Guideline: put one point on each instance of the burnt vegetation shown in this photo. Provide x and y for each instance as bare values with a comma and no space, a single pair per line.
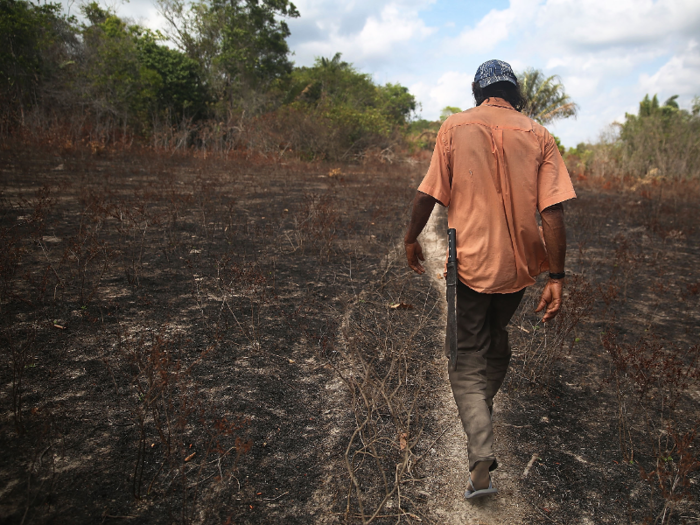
203,340
173,327
618,424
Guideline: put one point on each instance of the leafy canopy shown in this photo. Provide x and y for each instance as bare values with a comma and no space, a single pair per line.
334,89
36,43
126,70
447,111
238,43
231,62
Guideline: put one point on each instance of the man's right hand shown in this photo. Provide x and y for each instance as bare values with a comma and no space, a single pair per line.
423,205
414,254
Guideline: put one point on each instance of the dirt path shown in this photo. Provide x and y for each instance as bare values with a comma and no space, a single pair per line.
449,472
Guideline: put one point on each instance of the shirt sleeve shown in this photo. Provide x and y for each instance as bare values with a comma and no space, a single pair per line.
438,180
553,180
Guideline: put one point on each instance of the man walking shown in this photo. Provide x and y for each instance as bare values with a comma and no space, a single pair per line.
494,168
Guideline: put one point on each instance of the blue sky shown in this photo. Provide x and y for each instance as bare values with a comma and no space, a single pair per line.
608,53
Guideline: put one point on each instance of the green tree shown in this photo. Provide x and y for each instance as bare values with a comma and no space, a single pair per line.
37,43
332,82
113,83
126,75
396,102
181,90
238,43
546,99
447,111
650,107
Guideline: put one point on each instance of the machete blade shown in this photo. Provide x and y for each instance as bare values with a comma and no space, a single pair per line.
452,297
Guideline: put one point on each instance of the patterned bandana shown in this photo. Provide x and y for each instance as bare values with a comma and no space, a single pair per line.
494,71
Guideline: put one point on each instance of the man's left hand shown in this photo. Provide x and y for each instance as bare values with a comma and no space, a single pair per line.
552,298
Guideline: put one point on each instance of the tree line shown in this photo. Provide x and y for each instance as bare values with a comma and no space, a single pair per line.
227,83
220,79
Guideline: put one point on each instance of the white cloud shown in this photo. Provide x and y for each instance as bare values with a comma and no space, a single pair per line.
604,23
609,54
585,74
494,28
392,27
581,86
679,76
142,12
451,89
364,31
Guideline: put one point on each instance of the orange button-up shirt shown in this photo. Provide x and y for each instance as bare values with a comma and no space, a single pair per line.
494,168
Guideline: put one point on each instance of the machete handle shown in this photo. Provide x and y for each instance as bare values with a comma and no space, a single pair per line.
451,245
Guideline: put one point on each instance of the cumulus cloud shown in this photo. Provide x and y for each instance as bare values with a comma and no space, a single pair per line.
364,31
451,89
581,86
590,74
679,76
609,54
496,27
622,23
142,12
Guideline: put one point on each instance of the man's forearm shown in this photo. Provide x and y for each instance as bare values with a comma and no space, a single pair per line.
423,205
554,233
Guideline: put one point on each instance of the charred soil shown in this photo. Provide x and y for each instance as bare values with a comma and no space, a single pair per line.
235,341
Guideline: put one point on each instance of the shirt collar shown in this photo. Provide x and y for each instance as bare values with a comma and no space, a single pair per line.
497,102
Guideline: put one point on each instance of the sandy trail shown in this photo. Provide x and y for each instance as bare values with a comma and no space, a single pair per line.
448,472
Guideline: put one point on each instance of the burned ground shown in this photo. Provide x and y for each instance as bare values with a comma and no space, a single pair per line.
614,438
197,340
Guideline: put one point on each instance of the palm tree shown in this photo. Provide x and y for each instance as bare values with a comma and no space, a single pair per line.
332,64
545,97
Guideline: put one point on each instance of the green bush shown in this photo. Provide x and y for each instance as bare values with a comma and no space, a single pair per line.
365,113
661,140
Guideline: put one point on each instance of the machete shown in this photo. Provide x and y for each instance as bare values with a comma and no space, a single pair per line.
451,280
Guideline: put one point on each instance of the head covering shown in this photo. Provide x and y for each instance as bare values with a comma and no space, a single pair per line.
494,71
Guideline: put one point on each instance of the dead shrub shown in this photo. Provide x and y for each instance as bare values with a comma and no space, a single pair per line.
177,431
18,348
380,360
651,378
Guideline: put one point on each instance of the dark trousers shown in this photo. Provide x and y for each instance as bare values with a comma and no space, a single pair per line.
483,355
